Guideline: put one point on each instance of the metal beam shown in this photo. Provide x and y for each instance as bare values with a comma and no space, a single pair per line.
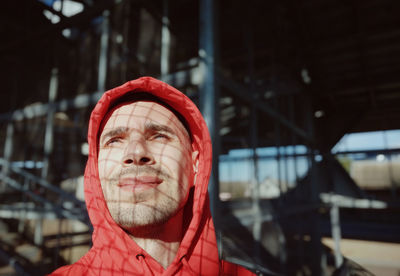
240,91
208,93
48,136
42,182
25,212
191,76
69,214
8,150
38,110
103,57
352,202
377,151
165,40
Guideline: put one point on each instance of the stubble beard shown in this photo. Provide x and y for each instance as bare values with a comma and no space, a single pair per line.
137,217
143,210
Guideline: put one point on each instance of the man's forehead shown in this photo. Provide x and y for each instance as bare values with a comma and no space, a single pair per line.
145,111
139,112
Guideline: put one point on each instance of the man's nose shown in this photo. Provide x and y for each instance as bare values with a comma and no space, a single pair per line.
137,153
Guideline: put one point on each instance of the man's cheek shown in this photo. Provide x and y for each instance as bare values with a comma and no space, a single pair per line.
102,167
107,166
171,156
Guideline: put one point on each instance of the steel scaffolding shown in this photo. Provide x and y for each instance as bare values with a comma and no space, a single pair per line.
284,189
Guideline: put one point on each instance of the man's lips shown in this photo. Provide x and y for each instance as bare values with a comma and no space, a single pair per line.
139,182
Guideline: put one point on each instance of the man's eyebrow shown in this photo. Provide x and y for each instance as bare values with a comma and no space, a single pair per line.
158,127
113,132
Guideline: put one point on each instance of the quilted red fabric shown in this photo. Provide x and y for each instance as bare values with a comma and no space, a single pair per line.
113,251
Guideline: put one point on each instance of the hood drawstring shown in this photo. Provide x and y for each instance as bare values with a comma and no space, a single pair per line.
183,261
142,259
138,257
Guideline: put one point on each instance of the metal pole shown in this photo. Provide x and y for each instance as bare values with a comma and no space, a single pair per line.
318,265
286,167
48,138
48,145
8,149
102,77
277,127
208,94
256,185
298,218
253,136
393,184
336,234
125,42
165,41
23,217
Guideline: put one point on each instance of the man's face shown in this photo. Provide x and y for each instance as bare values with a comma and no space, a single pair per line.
145,164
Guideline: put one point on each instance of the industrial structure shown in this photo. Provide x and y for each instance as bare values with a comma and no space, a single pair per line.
279,84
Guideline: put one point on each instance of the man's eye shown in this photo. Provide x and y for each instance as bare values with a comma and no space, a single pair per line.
160,136
113,140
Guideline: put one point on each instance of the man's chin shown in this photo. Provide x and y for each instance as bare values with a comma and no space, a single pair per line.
140,216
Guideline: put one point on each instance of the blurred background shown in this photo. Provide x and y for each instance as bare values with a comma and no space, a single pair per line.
302,99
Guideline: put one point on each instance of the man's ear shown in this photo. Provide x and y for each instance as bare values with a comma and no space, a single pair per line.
195,161
195,164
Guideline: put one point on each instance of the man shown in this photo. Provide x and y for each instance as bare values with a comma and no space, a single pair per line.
146,186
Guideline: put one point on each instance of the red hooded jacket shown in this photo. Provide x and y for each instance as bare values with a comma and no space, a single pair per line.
113,251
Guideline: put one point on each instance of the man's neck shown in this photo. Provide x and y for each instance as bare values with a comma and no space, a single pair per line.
161,241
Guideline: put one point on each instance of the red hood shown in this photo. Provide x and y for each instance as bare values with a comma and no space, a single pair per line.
199,240
113,251
112,248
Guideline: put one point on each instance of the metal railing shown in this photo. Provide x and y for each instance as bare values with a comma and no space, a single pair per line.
48,197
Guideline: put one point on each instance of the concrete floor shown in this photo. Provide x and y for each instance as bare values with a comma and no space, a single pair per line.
380,258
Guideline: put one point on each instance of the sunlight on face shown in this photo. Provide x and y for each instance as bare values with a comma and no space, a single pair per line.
145,164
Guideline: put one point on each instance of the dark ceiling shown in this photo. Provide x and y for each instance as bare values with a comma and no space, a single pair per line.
344,55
